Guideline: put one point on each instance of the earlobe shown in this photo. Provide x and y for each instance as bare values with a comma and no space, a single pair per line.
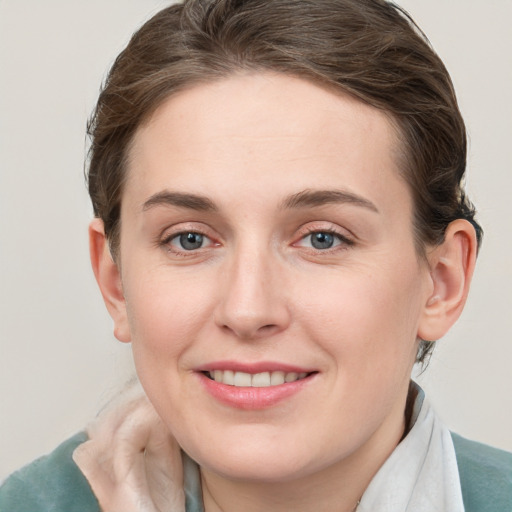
451,269
108,277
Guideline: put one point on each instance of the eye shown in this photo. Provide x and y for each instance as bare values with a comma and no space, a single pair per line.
323,240
189,241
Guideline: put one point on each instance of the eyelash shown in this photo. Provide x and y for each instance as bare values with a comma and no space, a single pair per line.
166,242
344,244
344,241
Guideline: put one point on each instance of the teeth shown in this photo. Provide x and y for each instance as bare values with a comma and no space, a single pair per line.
242,379
291,377
228,377
257,380
276,378
260,380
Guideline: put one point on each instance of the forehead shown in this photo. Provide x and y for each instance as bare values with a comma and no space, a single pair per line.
271,130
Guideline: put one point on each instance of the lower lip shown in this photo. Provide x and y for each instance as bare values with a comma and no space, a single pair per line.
249,398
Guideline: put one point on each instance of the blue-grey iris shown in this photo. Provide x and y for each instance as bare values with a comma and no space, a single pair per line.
191,241
322,240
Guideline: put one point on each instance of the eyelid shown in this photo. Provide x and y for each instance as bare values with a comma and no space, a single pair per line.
168,240
185,227
324,227
346,239
172,232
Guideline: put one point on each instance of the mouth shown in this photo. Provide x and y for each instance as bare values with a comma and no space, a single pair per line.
254,386
255,380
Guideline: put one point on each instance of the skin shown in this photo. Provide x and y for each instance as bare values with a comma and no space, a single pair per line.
257,290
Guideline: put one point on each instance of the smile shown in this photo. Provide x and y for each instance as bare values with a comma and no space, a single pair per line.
256,380
255,386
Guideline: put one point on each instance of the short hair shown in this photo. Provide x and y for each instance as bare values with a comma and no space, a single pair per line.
370,49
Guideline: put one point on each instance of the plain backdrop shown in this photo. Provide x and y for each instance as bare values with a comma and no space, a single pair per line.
59,361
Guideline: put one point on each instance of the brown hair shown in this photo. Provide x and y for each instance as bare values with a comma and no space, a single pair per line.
368,48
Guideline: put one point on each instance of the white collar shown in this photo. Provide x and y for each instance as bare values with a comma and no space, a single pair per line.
421,475
134,465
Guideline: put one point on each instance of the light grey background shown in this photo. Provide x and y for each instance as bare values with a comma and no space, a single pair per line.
59,361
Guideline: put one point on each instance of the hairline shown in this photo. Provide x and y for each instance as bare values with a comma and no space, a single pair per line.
400,150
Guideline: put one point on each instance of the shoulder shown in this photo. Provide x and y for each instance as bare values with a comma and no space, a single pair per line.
52,483
485,475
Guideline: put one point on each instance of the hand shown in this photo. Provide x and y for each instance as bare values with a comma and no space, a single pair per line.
131,461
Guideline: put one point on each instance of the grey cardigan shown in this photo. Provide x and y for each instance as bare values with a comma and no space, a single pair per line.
54,483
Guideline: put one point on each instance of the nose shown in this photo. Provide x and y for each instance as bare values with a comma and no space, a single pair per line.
253,301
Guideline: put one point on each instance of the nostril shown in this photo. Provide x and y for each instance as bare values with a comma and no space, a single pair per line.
266,330
248,332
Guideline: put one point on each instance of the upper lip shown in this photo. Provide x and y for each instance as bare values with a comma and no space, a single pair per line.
253,368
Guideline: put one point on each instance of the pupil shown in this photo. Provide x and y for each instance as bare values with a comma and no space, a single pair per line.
190,241
322,240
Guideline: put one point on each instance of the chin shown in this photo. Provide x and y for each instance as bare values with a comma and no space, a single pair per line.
261,469
258,458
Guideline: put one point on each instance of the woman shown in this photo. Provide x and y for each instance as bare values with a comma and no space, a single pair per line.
281,233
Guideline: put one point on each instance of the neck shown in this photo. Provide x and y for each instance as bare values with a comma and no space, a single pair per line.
304,495
338,487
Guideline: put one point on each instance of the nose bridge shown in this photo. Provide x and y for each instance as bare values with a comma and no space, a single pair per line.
252,303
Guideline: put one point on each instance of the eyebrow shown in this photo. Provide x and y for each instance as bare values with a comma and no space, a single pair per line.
181,200
309,198
305,198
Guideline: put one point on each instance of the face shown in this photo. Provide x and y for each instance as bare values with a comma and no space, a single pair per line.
272,290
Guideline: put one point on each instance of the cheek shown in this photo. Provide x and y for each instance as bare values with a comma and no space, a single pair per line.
166,312
368,317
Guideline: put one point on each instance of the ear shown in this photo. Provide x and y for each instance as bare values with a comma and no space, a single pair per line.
451,268
108,277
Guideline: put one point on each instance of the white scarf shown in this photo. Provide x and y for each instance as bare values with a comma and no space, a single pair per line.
134,465
421,475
